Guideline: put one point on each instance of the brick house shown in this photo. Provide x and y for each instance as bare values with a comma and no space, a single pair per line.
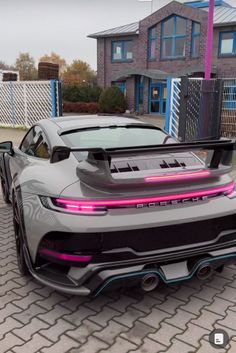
171,42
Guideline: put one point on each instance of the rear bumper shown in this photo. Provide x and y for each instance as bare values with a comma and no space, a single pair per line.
96,278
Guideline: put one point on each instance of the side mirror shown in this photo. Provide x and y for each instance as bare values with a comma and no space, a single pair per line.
6,147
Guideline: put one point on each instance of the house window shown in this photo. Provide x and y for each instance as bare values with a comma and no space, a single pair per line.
173,43
122,50
195,39
227,45
152,40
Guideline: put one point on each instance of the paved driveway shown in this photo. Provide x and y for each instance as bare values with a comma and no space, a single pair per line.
173,319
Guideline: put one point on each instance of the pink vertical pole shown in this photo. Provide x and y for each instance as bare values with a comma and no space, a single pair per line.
209,43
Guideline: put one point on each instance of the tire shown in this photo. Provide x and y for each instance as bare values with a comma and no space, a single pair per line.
5,194
18,230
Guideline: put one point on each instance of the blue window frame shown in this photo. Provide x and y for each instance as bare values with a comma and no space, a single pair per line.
122,50
173,38
152,41
195,48
227,45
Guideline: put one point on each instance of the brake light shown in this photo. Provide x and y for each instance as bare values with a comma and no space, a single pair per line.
65,257
178,176
95,206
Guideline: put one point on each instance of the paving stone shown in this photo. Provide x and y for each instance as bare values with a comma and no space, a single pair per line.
123,301
129,317
8,310
184,293
228,293
79,315
110,332
86,329
120,346
65,344
194,305
155,318
207,319
10,341
26,315
193,335
180,347
207,293
25,302
104,316
93,345
32,346
219,306
54,332
138,332
10,297
27,331
8,325
149,346
54,314
98,303
49,302
229,320
170,305
180,319
165,334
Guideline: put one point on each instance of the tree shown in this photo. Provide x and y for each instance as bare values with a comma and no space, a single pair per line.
112,101
79,72
55,58
4,66
26,66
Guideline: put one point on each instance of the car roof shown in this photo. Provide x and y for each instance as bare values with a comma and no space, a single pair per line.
70,122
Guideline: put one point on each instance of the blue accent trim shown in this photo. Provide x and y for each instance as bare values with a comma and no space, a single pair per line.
173,38
122,42
142,273
53,99
168,103
200,4
220,45
139,90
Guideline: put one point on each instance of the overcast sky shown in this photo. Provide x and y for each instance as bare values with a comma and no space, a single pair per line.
62,26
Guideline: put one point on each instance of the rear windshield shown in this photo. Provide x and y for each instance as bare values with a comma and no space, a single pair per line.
115,137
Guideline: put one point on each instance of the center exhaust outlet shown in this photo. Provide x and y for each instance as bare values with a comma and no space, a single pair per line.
149,282
204,272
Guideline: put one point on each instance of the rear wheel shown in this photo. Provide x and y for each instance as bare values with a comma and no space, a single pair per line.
5,194
19,239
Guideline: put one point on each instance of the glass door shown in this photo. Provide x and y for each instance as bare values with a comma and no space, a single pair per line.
157,98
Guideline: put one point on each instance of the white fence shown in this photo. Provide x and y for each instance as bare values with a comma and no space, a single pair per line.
174,106
25,103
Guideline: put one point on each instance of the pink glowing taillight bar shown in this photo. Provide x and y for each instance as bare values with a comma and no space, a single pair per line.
179,176
79,204
66,257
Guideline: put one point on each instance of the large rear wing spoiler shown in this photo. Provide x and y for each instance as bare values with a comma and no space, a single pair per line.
222,151
96,167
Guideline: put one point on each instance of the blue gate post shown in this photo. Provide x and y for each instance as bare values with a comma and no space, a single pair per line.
59,98
53,98
168,105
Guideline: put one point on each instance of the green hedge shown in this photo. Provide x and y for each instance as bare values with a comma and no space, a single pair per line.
81,93
112,101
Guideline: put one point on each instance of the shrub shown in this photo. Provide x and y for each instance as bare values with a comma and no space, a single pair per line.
86,108
112,101
81,93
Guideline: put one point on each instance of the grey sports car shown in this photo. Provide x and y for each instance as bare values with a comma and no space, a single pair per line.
101,202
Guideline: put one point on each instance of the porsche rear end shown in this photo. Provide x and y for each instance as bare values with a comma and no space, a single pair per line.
148,214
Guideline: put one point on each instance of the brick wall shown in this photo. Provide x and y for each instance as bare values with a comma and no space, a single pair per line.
109,71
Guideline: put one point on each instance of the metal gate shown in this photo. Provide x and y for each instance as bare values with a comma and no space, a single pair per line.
25,103
228,115
194,109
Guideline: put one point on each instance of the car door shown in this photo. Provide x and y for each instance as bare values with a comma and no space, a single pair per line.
33,149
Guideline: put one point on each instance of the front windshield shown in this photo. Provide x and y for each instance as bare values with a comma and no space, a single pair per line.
114,137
